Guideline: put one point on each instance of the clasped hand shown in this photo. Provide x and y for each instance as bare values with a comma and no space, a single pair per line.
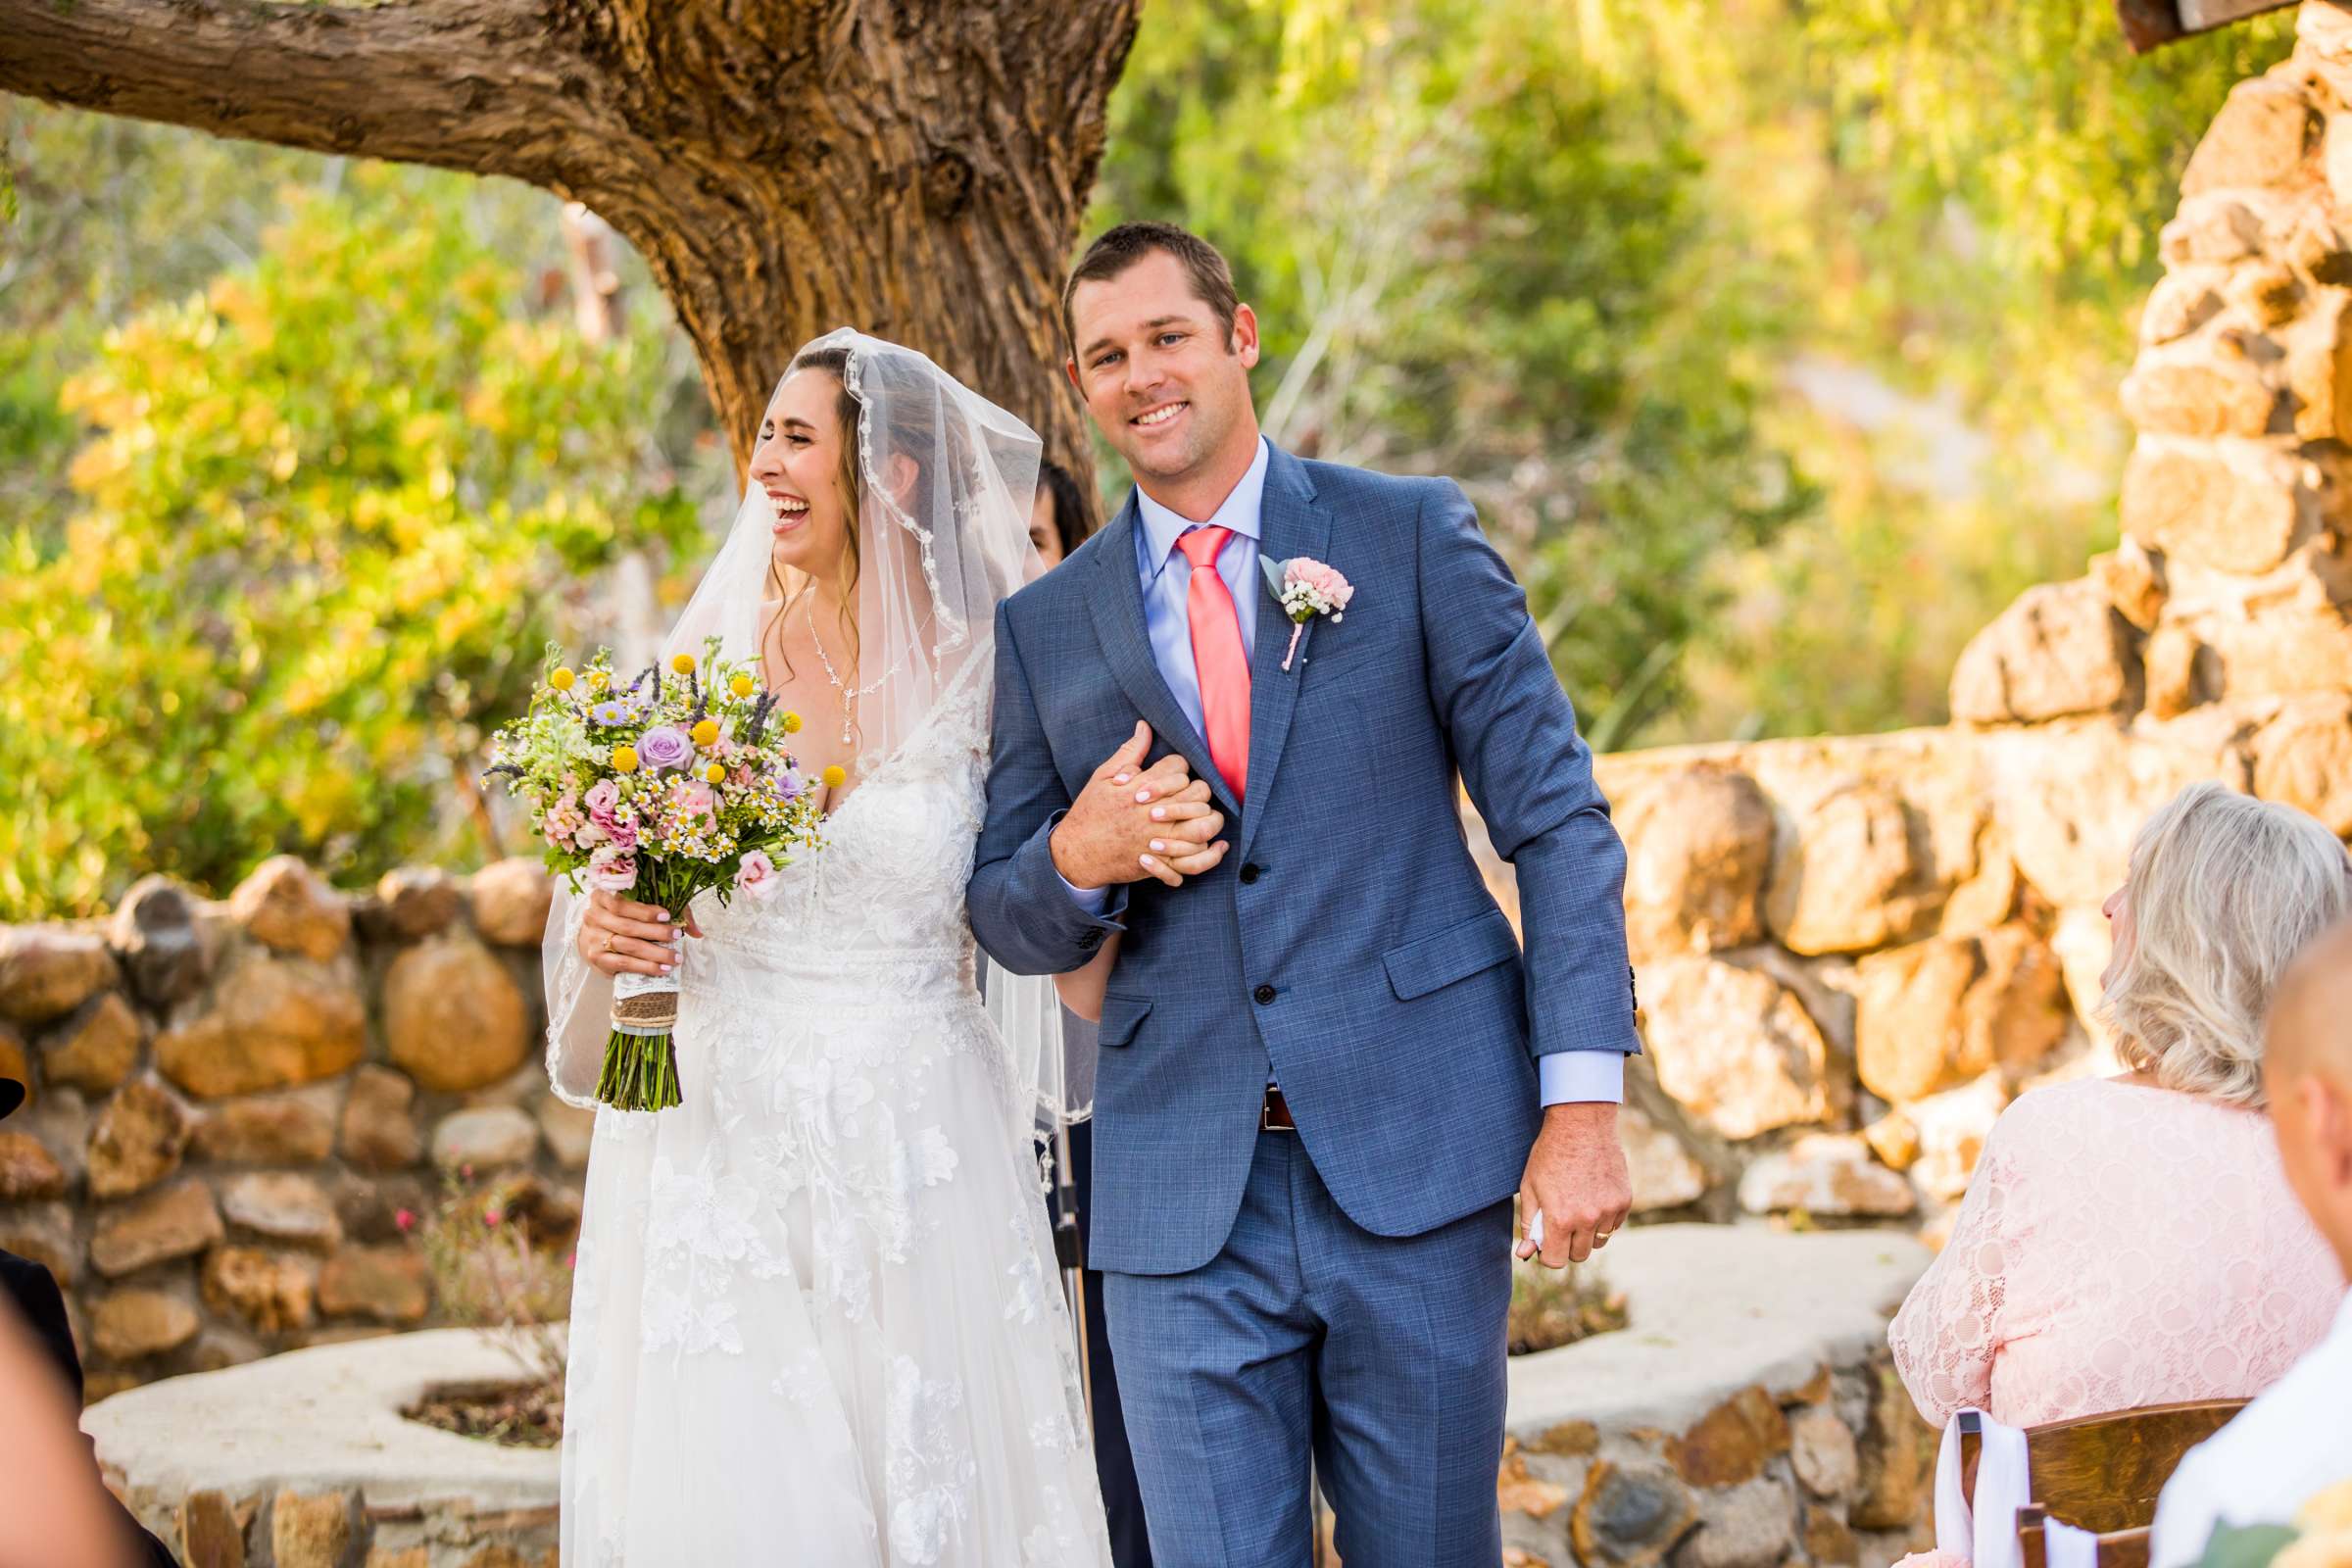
1130,822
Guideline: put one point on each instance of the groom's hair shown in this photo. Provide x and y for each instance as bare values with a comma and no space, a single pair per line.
1129,243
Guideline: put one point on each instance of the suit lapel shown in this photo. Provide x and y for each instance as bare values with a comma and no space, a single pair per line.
1289,523
1118,602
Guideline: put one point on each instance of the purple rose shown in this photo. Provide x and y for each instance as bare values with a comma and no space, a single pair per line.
664,746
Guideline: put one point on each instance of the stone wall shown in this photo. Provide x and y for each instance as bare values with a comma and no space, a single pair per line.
233,1103
1854,951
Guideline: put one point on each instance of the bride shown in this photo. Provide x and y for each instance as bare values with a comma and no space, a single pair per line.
815,1317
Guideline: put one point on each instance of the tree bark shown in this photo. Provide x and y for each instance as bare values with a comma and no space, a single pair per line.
916,168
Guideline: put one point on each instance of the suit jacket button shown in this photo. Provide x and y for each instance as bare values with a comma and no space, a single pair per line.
1249,873
1265,994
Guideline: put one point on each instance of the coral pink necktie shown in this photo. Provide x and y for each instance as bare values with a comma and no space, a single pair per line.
1217,658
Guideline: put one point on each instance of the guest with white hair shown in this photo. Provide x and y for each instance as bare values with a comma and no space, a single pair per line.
2295,1442
2133,1241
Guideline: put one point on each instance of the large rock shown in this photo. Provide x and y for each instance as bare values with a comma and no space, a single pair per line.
2261,137
567,1130
389,1283
1952,1128
310,1531
1822,1451
46,972
485,1139
2209,231
137,1141
272,1130
27,1170
1942,1011
1661,1171
1733,1047
1824,1174
286,906
2204,387
96,1051
2131,582
2319,373
2242,516
2084,943
2070,796
415,902
1731,1442
2177,306
511,901
271,1023
269,1292
2060,649
379,1128
1855,877
1752,1526
454,1018
2303,759
44,1233
2279,653
154,933
1698,842
178,1221
130,1324
17,1062
1630,1515
282,1207
1896,1448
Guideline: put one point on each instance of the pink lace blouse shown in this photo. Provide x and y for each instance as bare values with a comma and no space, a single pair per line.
2119,1246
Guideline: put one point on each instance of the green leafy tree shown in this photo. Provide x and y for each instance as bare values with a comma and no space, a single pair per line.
328,515
1473,255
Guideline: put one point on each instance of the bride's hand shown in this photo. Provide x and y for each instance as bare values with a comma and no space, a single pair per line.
621,937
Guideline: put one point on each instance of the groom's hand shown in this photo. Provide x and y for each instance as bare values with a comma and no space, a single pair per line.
1576,1179
1131,821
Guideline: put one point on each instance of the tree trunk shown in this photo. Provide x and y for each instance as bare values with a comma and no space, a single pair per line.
916,168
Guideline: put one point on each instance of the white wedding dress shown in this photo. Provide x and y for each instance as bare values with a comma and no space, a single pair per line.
816,1318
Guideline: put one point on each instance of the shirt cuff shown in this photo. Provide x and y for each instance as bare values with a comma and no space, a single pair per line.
1578,1077
1092,899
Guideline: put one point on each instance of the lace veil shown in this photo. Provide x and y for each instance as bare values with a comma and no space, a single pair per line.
943,535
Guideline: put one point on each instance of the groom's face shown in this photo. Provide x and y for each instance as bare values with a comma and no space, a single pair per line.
1166,384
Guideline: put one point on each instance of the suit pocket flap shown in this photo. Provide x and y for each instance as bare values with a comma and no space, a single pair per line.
1419,968
1120,1017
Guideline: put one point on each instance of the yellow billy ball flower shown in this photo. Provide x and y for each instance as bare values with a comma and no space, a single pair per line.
833,776
682,663
741,685
561,680
716,773
625,759
706,732
598,680
790,723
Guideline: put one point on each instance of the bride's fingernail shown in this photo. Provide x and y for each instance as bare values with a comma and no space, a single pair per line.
664,916
1142,796
1156,844
1160,813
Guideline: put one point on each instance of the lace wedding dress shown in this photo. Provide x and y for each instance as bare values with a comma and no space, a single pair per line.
815,1318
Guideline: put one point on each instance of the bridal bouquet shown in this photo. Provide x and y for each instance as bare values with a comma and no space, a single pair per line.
658,790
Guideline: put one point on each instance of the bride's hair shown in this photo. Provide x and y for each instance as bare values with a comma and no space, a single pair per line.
835,363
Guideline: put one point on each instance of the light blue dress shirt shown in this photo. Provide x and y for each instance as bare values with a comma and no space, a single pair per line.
1167,581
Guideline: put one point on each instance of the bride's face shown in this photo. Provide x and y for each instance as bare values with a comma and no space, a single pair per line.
798,462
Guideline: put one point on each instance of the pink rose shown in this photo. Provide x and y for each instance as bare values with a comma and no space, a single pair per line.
757,875
602,797
1324,581
621,830
693,800
613,869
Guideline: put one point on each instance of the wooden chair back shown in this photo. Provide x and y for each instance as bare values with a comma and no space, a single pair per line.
2102,1473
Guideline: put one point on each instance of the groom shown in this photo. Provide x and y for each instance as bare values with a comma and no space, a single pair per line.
1326,1066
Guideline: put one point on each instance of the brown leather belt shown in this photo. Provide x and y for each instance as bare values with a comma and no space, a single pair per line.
1275,1117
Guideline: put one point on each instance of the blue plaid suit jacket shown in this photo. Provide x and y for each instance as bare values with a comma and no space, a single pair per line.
1347,944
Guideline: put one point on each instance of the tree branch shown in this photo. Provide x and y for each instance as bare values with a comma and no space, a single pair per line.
469,85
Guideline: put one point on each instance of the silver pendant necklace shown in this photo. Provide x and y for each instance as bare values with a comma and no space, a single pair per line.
849,696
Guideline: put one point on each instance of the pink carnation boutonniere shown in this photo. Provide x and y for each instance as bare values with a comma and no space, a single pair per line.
1305,588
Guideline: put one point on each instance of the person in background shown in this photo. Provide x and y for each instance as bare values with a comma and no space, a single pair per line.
1059,522
2132,1240
1059,519
2297,1438
54,1511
